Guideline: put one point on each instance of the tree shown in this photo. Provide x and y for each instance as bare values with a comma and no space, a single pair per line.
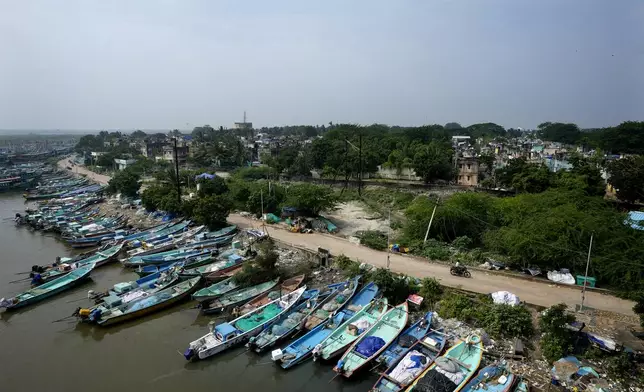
559,132
126,182
524,177
433,162
453,126
627,177
626,138
212,211
139,134
310,198
556,339
214,186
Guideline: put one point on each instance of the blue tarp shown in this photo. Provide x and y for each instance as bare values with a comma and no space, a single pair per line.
370,345
636,220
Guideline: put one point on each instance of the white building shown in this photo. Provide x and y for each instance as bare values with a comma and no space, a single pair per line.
122,164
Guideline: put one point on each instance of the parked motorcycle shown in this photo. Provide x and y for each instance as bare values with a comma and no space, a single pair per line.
460,271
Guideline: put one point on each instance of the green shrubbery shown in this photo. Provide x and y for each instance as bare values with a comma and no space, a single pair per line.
263,268
556,340
373,239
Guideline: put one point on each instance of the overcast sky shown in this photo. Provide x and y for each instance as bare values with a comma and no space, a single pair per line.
159,64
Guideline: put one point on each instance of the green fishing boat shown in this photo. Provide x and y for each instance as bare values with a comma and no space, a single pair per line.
350,330
372,342
451,371
238,297
48,289
216,290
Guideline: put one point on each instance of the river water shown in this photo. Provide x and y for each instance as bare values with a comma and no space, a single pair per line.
37,354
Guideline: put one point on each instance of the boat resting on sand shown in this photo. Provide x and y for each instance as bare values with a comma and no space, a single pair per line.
451,371
408,337
221,264
373,341
324,321
347,333
492,378
146,305
287,286
412,363
238,331
238,297
48,289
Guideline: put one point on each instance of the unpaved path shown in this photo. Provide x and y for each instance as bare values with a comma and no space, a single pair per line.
532,292
76,169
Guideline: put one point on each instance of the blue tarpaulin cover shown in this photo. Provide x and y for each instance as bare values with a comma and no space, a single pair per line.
207,176
370,345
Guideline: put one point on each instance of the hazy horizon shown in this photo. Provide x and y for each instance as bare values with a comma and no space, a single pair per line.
79,66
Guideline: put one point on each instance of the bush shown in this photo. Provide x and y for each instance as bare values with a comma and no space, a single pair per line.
497,320
263,268
350,267
462,243
508,321
431,291
393,286
557,339
373,239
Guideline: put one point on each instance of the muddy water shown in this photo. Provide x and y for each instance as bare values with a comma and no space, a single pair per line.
38,355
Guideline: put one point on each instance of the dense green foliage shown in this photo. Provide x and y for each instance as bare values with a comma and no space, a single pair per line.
497,320
263,268
556,339
211,211
627,177
125,182
550,230
161,197
373,239
310,199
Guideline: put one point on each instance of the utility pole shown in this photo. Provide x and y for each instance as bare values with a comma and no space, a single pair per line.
430,221
360,164
388,238
583,291
176,168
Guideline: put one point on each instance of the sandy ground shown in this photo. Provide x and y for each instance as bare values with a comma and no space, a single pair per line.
532,292
536,293
101,179
352,216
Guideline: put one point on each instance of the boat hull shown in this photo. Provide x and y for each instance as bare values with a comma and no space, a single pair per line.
152,309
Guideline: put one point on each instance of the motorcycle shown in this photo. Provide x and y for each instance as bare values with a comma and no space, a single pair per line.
460,271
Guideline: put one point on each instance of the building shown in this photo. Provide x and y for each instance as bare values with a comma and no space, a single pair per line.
468,171
152,149
122,164
167,154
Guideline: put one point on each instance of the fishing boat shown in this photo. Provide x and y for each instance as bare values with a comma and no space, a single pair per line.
125,292
404,370
287,323
522,386
239,297
98,259
373,341
324,321
216,290
145,305
226,231
48,289
286,287
347,333
401,344
451,371
493,378
161,258
238,331
169,242
228,263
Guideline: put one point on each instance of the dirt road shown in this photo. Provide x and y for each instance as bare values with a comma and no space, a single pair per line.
76,169
481,282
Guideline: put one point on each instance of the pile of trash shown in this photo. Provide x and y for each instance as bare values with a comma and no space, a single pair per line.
290,257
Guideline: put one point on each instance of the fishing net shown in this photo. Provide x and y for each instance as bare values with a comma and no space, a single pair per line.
330,307
434,381
279,330
340,298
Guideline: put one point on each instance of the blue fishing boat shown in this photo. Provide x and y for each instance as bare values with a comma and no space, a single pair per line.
406,339
48,289
415,360
492,378
302,348
160,258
